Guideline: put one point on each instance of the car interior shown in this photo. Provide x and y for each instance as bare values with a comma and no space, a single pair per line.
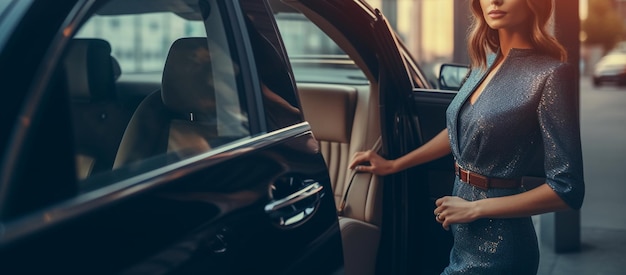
344,120
122,118
99,118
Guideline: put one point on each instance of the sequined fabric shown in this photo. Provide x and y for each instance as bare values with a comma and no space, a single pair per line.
525,122
492,246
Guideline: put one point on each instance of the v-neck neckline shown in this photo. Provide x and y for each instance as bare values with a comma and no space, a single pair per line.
496,65
466,95
513,52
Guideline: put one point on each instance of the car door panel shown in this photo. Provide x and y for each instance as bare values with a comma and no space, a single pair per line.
200,221
429,114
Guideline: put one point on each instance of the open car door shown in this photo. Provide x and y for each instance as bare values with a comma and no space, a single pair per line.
410,116
407,113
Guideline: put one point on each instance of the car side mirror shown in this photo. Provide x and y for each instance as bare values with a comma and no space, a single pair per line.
452,76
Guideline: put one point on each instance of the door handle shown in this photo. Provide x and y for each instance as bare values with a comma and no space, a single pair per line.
297,207
306,192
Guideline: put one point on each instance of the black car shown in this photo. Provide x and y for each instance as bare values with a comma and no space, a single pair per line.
180,136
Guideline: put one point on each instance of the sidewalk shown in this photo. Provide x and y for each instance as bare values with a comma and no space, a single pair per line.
603,251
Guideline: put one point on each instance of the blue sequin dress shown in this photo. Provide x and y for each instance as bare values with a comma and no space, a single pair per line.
525,122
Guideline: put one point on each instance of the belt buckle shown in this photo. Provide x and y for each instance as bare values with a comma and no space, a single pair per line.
479,184
467,175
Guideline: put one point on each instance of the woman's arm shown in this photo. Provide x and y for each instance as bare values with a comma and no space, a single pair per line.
370,161
536,201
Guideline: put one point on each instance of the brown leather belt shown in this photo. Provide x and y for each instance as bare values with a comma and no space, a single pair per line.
484,182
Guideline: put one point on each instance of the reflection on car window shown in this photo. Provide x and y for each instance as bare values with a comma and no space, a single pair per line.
4,8
302,37
149,90
277,87
140,42
314,56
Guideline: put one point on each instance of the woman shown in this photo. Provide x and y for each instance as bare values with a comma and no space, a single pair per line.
516,108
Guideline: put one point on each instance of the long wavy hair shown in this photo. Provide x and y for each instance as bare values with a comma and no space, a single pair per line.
483,38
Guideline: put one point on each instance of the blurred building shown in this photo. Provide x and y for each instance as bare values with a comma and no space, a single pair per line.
433,30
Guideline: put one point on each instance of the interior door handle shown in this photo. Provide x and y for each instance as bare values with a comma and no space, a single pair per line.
308,191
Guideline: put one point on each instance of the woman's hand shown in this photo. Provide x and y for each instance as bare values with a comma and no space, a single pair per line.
452,210
369,161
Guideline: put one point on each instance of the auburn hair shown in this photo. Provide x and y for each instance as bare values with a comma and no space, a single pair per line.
483,38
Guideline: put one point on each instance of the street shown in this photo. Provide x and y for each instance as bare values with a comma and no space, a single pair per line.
603,222
603,130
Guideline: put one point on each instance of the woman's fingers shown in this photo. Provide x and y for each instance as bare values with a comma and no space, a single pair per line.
370,162
440,213
365,168
441,218
360,157
440,201
452,210
355,161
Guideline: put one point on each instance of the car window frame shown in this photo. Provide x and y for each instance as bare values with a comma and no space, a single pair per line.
33,91
251,84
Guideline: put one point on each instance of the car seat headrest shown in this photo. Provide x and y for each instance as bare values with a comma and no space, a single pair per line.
90,70
187,84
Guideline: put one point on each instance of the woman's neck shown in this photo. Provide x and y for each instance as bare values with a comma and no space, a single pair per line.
510,40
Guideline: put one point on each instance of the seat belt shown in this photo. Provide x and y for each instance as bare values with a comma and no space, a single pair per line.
340,211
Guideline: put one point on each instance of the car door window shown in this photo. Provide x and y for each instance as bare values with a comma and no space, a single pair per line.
314,56
151,89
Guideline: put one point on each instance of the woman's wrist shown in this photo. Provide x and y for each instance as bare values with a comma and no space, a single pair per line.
478,210
392,166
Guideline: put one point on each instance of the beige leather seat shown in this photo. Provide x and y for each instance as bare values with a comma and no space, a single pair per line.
99,119
345,120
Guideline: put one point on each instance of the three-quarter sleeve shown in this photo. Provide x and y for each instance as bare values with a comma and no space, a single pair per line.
560,128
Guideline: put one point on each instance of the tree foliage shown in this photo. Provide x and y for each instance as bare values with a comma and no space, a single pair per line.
603,25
